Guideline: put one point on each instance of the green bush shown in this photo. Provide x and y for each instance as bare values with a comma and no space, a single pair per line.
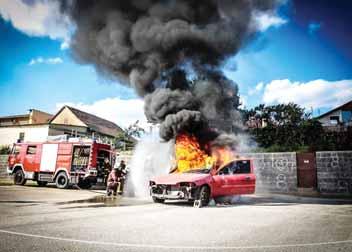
5,149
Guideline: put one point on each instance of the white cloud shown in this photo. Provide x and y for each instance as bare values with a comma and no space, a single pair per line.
316,93
243,101
122,112
37,18
264,20
257,89
41,60
65,45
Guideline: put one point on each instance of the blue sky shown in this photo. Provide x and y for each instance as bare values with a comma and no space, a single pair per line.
300,56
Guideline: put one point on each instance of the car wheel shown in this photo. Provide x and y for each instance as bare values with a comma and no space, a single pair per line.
203,197
19,178
158,200
62,180
42,183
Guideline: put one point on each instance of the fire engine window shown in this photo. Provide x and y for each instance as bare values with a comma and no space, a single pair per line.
31,150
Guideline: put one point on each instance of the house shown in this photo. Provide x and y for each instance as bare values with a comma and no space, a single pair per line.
37,126
33,117
255,122
73,122
32,126
338,118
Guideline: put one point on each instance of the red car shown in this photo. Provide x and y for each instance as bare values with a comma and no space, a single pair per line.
234,178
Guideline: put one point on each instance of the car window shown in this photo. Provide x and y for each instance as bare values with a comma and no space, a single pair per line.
242,166
31,150
224,171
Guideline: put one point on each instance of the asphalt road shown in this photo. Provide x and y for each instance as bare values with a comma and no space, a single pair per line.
49,219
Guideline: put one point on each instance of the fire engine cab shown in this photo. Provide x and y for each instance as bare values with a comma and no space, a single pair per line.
61,162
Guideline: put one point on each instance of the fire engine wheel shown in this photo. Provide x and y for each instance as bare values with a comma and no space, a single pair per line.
203,197
42,183
158,200
62,180
19,178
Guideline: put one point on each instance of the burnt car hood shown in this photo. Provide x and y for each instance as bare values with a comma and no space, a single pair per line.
174,178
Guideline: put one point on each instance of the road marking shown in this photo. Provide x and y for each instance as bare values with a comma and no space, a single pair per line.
173,247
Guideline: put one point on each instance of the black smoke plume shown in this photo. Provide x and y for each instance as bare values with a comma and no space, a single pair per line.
170,52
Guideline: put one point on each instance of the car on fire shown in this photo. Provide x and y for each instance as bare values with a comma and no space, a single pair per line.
201,185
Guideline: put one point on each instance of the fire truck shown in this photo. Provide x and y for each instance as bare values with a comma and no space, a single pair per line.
61,162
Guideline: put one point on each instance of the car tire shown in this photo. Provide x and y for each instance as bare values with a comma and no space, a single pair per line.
62,181
19,178
158,200
42,183
203,197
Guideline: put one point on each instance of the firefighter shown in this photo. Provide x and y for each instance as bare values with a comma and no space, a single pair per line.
107,170
121,174
112,182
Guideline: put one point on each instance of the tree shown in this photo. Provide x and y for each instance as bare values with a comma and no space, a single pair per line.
127,139
284,127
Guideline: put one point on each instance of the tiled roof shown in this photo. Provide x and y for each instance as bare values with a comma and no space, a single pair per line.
96,123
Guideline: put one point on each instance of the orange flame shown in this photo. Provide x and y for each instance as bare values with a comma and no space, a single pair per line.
222,156
190,156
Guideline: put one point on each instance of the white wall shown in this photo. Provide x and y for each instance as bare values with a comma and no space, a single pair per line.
9,135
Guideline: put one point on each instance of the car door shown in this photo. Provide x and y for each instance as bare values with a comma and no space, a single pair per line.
224,183
244,178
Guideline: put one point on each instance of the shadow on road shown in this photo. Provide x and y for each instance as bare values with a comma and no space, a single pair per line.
238,201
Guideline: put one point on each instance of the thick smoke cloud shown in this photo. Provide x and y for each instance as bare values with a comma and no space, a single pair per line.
146,44
184,120
164,101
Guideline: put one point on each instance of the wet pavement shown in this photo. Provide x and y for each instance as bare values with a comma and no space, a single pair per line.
104,201
48,219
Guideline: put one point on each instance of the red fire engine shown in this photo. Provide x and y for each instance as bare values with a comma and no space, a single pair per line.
62,162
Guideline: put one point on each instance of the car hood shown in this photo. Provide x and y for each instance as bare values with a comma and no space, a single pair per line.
174,178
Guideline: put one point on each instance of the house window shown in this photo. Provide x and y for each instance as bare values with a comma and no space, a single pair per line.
31,150
334,120
21,137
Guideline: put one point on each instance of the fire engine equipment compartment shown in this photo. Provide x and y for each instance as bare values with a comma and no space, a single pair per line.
80,158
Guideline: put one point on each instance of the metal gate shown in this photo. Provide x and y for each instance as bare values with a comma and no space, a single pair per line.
306,170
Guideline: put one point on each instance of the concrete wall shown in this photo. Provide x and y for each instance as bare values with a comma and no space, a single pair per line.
10,135
3,166
334,171
276,172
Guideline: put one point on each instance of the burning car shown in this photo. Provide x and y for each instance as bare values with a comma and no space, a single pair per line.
200,185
